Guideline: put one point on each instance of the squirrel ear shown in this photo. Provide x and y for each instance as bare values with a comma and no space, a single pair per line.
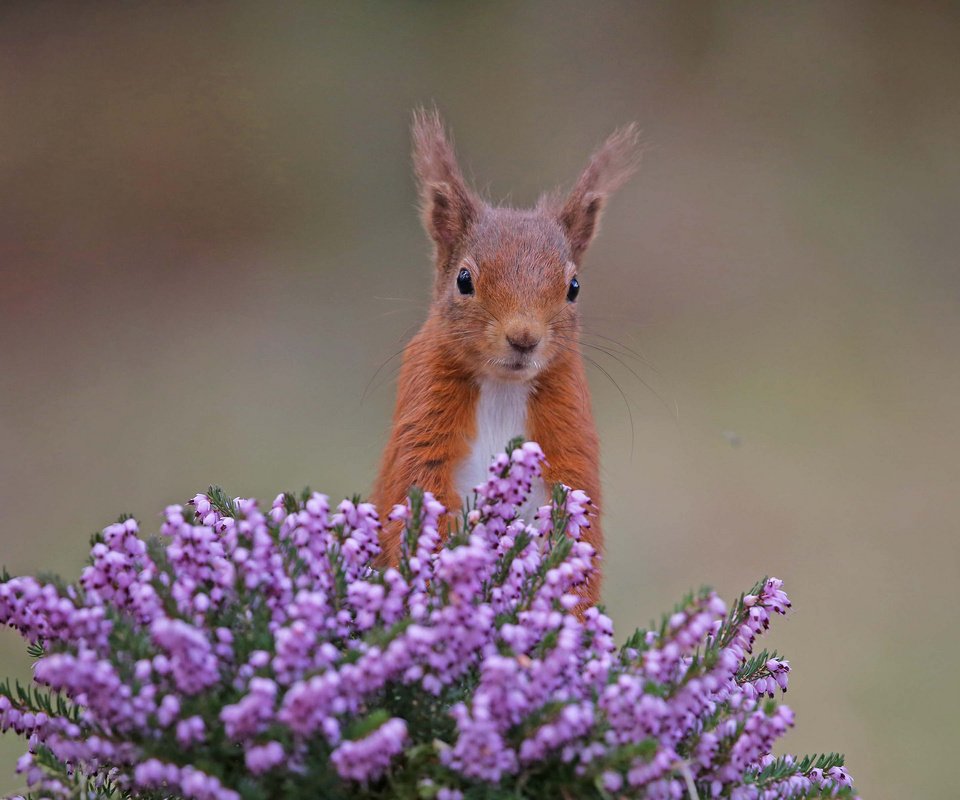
606,171
448,206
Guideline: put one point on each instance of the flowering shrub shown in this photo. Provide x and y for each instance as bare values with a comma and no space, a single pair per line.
252,653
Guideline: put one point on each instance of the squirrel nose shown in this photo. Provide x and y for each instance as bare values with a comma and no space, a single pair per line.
523,341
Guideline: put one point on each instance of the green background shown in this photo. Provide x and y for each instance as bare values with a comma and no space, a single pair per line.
209,245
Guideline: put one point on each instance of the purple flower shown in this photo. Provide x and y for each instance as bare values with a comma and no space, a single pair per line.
263,757
187,654
362,760
41,612
191,730
120,573
253,712
269,638
186,781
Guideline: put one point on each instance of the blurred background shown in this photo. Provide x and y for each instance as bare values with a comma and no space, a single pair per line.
210,252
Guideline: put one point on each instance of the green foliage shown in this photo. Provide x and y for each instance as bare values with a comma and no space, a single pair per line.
34,699
432,732
79,785
36,649
221,501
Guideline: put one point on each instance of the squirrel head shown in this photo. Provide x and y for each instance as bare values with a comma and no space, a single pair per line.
506,280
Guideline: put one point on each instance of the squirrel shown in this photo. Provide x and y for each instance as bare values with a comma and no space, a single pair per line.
498,355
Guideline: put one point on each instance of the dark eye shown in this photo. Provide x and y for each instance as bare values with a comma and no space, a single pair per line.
573,291
465,282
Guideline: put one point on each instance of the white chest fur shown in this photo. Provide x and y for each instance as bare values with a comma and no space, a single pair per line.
501,415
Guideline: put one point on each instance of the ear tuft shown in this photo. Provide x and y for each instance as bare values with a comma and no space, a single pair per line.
448,206
608,168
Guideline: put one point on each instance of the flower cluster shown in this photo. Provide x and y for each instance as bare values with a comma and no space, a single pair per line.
251,653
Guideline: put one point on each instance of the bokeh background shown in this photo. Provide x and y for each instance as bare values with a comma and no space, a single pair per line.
210,252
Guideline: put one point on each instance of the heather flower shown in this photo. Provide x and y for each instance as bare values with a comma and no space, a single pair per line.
41,612
481,751
190,731
120,571
364,759
189,656
205,577
266,654
253,712
263,757
187,781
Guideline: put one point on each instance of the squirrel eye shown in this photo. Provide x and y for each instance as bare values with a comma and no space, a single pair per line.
465,282
573,291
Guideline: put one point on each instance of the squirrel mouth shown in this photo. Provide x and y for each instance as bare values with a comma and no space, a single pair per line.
515,366
520,367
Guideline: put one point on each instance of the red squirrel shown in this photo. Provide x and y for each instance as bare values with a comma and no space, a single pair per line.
498,355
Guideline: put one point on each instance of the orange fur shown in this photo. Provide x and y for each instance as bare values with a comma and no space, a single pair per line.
516,324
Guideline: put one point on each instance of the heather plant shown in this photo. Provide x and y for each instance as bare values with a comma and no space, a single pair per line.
259,653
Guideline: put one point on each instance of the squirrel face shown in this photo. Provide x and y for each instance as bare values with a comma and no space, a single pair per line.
506,281
508,301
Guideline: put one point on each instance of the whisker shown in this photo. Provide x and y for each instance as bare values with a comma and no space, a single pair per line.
489,314
633,372
637,354
583,398
633,433
612,380
672,410
393,311
556,316
373,377
405,336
